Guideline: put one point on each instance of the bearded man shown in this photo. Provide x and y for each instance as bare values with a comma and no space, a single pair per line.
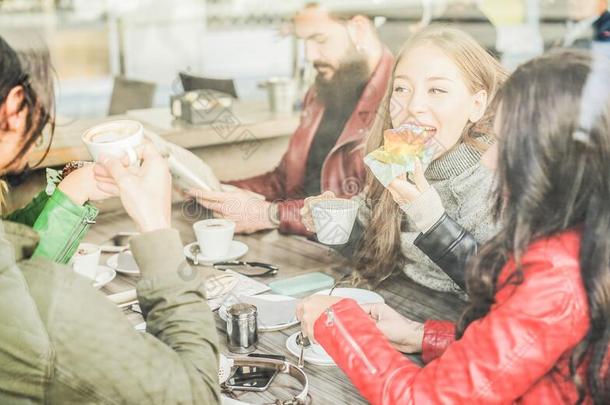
326,151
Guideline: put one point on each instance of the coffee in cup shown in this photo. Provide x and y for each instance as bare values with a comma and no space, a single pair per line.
86,260
214,237
114,138
334,219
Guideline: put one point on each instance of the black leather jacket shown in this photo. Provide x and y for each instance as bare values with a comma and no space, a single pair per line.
449,246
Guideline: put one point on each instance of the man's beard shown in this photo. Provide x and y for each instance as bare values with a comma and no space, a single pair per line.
345,87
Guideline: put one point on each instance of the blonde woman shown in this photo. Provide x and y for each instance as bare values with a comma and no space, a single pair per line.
429,224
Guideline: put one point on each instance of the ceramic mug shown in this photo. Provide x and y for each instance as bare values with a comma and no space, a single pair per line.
114,138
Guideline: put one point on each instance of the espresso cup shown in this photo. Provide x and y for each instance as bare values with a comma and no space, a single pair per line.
334,219
214,237
114,138
86,260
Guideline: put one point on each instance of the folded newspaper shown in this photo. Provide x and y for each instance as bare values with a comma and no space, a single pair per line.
188,171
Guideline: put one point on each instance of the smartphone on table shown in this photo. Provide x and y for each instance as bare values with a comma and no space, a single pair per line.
251,378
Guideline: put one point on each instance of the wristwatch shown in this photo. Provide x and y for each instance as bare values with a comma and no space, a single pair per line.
274,214
72,166
54,177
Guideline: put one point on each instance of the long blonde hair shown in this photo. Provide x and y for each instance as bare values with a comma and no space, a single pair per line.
380,252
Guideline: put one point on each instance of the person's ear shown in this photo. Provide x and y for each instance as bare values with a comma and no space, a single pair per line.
11,112
356,28
479,105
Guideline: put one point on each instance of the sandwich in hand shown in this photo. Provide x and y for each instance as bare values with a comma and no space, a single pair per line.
401,148
403,144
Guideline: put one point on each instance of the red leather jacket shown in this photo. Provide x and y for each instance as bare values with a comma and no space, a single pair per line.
343,169
518,353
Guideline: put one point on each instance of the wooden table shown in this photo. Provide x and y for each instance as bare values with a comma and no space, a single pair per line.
294,255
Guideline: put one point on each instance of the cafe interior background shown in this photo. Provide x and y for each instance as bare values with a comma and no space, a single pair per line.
123,57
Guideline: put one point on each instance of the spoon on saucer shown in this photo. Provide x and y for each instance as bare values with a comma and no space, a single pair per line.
303,342
195,250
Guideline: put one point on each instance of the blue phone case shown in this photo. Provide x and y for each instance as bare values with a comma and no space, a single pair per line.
300,285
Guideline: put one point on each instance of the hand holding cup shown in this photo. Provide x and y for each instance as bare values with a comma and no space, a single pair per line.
306,217
145,191
331,218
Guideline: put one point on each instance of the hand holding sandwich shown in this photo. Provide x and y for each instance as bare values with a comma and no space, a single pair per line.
404,191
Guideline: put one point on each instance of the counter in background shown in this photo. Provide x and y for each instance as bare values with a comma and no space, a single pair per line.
249,134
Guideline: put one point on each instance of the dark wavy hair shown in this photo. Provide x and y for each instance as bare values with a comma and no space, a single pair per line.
32,70
554,175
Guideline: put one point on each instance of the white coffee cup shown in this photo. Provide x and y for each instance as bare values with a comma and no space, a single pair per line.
214,237
114,138
86,260
334,219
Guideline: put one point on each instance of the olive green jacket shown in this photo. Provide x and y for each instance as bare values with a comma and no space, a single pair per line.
62,342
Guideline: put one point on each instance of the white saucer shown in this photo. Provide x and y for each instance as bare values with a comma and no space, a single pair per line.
103,276
313,354
359,295
113,262
222,313
237,250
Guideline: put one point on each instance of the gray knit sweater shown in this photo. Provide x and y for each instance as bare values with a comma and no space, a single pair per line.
461,187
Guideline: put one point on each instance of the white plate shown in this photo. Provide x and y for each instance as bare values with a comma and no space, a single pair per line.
314,354
103,276
222,312
237,250
113,262
360,295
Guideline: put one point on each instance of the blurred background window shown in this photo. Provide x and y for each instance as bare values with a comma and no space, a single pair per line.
100,48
